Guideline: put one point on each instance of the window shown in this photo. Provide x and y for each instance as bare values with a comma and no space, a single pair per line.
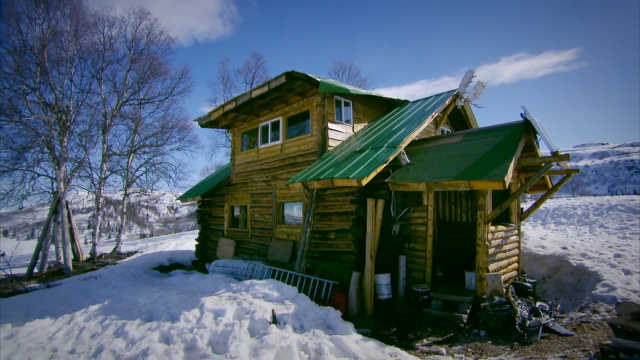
298,125
238,217
250,139
270,132
343,111
445,130
291,213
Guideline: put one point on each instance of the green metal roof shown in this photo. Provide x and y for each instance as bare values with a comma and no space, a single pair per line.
471,155
364,152
336,87
207,184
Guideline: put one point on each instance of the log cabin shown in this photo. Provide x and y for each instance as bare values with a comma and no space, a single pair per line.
328,179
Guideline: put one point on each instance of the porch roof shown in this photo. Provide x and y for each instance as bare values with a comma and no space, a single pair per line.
208,183
484,156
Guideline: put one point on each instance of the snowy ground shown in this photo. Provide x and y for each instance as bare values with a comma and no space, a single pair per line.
581,249
585,249
130,311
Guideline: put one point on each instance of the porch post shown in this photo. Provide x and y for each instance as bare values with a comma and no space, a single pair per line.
429,197
483,209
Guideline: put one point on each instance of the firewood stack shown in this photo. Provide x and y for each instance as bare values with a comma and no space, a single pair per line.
626,331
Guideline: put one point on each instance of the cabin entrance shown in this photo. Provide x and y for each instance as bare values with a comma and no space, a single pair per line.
454,239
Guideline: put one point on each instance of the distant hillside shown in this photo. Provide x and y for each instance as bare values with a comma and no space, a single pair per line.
605,169
157,213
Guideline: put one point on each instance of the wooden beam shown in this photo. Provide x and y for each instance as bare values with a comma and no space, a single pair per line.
553,172
482,233
544,159
367,278
306,233
527,185
428,270
536,205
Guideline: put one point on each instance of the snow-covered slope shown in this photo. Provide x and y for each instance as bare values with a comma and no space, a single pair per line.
130,311
605,169
149,214
585,249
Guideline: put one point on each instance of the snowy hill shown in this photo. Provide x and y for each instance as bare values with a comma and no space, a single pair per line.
150,214
605,169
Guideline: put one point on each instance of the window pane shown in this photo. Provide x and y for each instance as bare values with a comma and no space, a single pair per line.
292,213
250,139
298,125
238,217
275,131
264,134
338,106
347,112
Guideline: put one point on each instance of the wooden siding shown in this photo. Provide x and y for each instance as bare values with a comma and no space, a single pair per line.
364,111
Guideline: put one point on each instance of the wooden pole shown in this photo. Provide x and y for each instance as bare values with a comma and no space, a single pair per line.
527,185
428,271
78,253
42,238
536,205
484,206
306,230
367,278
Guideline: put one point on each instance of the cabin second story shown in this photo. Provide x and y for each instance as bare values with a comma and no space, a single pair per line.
283,125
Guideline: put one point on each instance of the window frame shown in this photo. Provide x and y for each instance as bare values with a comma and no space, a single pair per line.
281,215
335,113
269,122
294,115
230,209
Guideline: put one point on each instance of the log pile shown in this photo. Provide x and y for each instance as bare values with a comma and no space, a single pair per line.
503,245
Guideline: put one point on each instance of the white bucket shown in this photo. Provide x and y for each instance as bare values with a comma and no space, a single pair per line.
383,286
470,280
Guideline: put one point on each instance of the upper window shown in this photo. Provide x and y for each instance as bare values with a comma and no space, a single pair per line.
445,130
291,213
250,139
298,125
270,132
343,110
238,217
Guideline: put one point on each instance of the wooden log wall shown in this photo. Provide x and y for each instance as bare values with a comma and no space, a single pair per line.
455,206
417,245
364,110
503,250
210,218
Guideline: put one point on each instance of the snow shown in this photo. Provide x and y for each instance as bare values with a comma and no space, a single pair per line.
585,249
131,311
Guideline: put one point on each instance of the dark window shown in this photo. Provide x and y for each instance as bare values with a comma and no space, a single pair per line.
250,139
298,125
238,217
291,213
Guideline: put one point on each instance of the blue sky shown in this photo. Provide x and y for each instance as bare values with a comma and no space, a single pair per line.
574,64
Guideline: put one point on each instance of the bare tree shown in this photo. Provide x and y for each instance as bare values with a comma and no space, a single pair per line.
224,86
252,72
348,73
153,131
45,88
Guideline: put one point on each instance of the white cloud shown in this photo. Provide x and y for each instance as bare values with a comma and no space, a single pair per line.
509,69
187,20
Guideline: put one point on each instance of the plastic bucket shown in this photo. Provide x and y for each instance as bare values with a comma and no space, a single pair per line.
383,286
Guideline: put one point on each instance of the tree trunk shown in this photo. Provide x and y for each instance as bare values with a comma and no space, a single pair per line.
78,252
42,246
67,255
97,219
57,238
123,223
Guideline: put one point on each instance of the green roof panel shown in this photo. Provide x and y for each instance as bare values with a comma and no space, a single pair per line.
471,155
208,183
360,154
